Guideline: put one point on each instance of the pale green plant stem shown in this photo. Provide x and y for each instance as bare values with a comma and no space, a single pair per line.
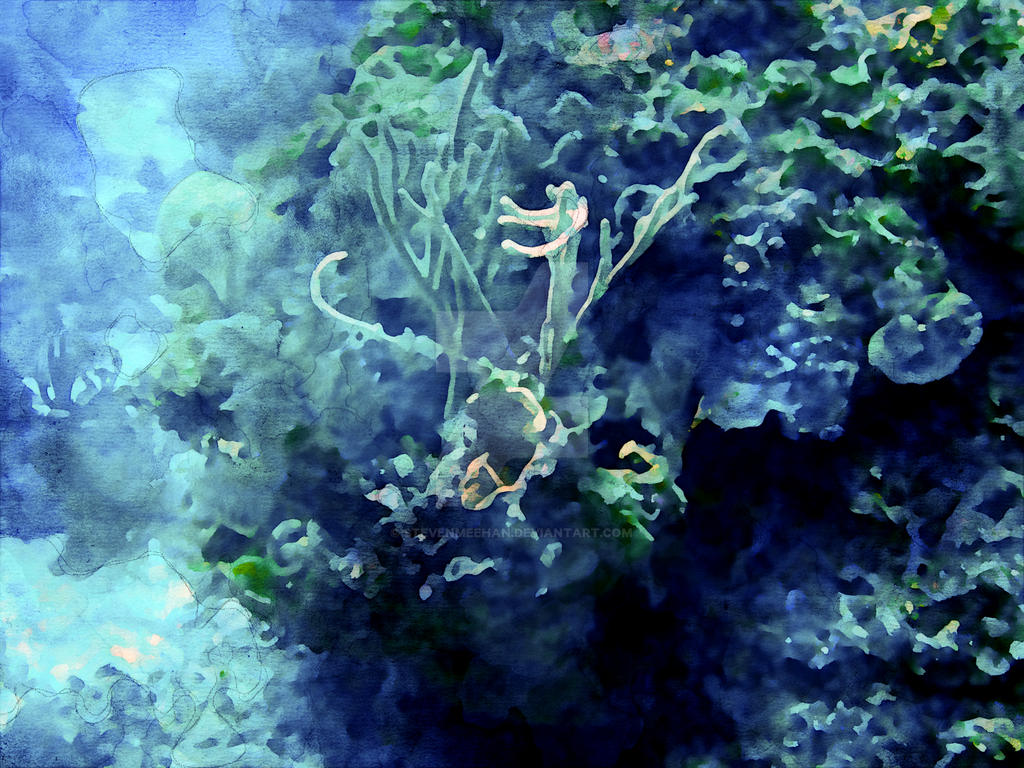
385,217
429,347
647,226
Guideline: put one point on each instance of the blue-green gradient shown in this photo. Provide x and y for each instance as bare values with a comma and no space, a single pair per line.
501,382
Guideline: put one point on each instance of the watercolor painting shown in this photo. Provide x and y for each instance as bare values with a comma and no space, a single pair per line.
483,383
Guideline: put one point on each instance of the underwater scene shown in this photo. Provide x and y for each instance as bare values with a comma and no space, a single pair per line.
486,383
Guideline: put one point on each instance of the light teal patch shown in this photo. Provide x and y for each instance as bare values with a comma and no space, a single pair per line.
465,566
403,464
140,149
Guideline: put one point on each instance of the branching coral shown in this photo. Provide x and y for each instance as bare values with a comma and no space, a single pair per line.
669,203
408,341
428,142
563,222
479,482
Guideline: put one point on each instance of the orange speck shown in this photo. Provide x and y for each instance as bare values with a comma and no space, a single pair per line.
155,639
131,655
230,447
669,62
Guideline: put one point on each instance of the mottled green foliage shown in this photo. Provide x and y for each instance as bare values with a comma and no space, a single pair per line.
760,241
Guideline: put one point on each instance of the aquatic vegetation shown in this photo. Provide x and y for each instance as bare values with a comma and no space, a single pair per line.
617,382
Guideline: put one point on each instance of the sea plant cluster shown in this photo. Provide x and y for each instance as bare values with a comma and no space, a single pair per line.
618,382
